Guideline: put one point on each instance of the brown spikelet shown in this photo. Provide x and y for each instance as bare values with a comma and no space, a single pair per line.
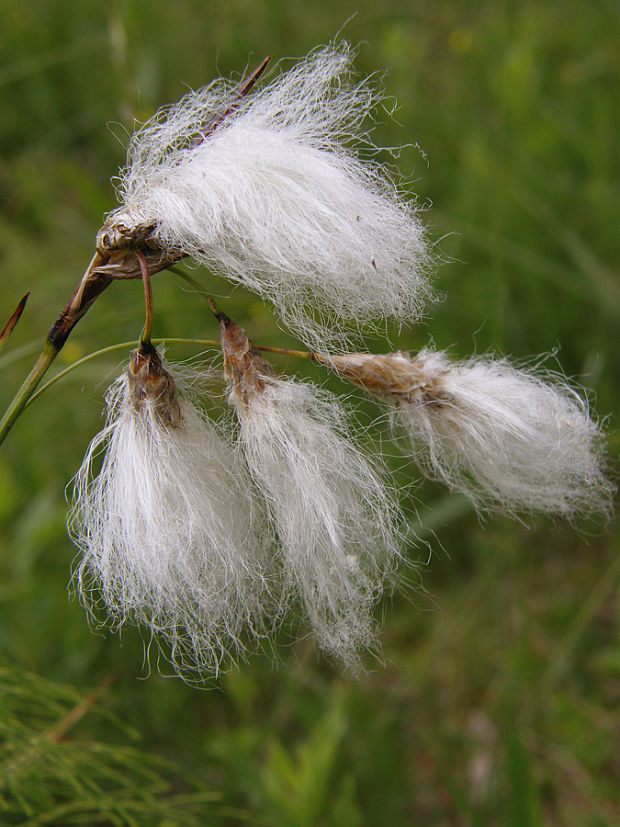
148,380
393,376
244,366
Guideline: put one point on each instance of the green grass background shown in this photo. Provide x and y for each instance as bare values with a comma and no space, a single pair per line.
497,703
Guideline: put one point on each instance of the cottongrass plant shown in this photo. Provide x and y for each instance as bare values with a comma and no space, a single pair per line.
206,540
277,191
335,521
518,438
169,532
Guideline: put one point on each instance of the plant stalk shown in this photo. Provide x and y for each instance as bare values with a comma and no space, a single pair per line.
99,274
166,340
302,354
47,356
145,336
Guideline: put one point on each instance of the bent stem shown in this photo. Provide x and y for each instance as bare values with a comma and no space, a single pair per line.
172,340
91,285
197,286
110,349
301,354
145,336
100,273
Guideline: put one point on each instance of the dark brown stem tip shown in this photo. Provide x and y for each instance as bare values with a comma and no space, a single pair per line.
147,351
221,317
15,316
251,80
242,92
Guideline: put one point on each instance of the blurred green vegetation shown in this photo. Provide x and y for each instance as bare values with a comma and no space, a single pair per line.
497,701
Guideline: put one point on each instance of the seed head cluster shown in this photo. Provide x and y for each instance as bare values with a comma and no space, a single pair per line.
209,534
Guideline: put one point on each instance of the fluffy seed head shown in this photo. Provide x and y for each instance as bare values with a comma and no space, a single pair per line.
334,519
520,438
279,198
170,535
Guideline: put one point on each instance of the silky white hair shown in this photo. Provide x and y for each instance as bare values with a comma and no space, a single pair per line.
335,519
170,534
279,198
522,438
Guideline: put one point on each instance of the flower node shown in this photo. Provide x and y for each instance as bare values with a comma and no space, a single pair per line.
392,376
116,235
244,366
149,383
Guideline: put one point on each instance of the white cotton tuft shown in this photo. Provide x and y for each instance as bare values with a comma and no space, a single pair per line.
334,518
168,531
520,438
278,198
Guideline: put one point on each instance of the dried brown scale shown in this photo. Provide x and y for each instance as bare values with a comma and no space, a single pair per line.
91,285
102,270
114,235
244,366
123,264
388,375
148,380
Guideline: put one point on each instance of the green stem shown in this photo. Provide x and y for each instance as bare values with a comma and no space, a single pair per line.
168,340
197,286
145,336
302,354
111,349
20,400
